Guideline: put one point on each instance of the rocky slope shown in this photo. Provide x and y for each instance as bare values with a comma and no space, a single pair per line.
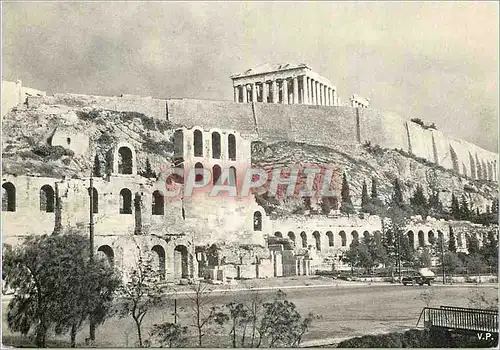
27,135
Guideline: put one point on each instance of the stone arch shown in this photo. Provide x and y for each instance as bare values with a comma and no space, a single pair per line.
216,172
411,239
47,199
159,260
216,145
331,241
257,221
124,159
460,239
231,147
158,203
95,200
278,234
421,238
454,159
317,239
107,253
355,236
291,235
366,235
303,237
198,168
125,201
197,143
431,237
181,262
343,238
8,197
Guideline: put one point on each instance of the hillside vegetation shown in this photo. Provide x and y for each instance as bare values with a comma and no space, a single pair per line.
26,149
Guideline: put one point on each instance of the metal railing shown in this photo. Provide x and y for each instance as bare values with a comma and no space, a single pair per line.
460,318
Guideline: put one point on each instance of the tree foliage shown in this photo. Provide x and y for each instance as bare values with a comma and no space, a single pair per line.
170,334
346,205
281,324
57,286
365,199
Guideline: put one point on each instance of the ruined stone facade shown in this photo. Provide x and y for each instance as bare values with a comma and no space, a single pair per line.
203,236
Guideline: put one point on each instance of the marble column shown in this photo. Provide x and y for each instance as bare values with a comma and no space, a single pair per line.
265,92
254,92
274,92
284,91
245,93
236,94
313,91
316,93
334,95
295,99
327,99
305,90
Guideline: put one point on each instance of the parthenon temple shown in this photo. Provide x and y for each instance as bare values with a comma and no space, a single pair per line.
285,84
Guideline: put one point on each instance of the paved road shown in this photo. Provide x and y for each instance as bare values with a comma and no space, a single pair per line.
347,309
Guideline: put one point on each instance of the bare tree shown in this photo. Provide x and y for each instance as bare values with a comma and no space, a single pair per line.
141,294
205,313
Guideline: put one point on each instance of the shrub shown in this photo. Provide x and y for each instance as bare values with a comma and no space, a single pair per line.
52,152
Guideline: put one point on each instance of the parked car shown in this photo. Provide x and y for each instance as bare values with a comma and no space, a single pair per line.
421,277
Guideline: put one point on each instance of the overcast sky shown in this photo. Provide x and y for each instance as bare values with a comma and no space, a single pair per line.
435,61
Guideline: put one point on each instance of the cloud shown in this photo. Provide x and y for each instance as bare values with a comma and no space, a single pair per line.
436,61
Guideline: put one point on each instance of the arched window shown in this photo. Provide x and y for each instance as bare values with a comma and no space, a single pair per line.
291,235
317,239
159,260
278,234
303,236
124,160
331,242
125,201
232,177
343,238
47,199
231,144
421,239
355,236
178,144
216,145
411,239
440,237
106,252
8,197
216,171
257,221
366,235
158,205
198,168
431,237
198,143
95,200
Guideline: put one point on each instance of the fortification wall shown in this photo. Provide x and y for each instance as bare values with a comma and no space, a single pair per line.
212,114
318,125
382,128
151,107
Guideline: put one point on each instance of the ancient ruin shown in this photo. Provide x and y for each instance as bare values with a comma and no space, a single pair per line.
217,237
